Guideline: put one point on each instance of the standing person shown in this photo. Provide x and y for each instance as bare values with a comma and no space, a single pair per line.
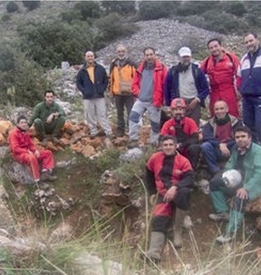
147,86
48,118
186,80
170,176
245,158
250,85
122,71
92,81
24,151
221,68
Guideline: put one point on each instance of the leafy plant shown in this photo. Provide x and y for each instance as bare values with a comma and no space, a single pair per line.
31,5
12,7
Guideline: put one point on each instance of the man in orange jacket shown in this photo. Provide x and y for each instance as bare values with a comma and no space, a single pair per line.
25,152
221,68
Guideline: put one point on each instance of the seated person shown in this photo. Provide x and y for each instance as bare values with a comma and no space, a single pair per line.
245,158
184,129
48,118
218,136
24,151
170,175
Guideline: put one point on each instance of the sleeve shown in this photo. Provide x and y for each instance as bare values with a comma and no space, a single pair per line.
35,114
79,82
203,65
135,87
203,85
150,177
165,130
14,143
105,79
187,178
208,134
167,88
111,78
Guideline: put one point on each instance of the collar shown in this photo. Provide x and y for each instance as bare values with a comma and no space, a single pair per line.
243,152
21,130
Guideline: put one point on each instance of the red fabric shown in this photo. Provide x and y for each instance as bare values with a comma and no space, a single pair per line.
159,75
190,127
23,149
163,209
224,132
222,78
181,165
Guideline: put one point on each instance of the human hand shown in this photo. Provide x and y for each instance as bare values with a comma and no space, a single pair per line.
171,193
192,104
224,150
242,193
50,118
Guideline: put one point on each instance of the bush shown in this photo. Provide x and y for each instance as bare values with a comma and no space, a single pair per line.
7,60
27,78
155,10
6,17
31,5
88,9
12,7
196,7
51,43
121,7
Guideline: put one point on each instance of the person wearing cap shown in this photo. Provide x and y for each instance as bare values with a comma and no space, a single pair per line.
184,129
187,81
122,71
24,151
218,136
221,67
148,88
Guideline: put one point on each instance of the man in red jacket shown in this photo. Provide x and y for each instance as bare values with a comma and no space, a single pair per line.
25,152
148,88
170,177
221,68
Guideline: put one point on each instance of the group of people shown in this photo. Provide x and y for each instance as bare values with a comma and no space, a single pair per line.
183,88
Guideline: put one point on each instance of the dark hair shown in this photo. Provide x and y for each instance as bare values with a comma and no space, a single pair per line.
244,129
168,137
214,39
149,48
251,33
48,92
20,118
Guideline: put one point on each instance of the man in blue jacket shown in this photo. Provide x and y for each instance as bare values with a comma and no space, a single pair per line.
187,81
92,81
249,84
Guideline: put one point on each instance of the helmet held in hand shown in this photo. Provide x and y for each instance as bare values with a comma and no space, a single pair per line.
232,178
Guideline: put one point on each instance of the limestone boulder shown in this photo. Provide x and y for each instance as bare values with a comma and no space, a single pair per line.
19,173
5,126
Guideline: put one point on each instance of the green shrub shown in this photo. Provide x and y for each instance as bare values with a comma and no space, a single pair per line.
12,7
7,60
31,5
196,7
155,10
71,15
6,17
53,42
236,8
121,7
88,9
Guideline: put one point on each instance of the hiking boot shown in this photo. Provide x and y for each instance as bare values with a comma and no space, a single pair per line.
223,239
133,144
46,176
219,217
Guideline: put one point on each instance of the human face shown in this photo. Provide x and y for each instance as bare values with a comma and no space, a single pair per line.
178,113
243,140
149,56
89,57
251,43
220,109
215,49
168,147
22,124
49,98
121,51
185,60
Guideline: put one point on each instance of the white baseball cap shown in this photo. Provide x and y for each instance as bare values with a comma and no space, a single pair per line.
184,51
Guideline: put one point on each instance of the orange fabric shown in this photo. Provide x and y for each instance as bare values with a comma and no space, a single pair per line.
90,70
23,149
159,75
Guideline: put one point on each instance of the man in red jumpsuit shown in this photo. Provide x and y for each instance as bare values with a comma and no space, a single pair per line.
25,152
170,176
221,68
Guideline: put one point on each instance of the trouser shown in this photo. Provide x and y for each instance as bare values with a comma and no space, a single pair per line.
252,116
95,110
45,159
162,212
195,113
212,155
229,96
120,102
219,194
53,128
137,111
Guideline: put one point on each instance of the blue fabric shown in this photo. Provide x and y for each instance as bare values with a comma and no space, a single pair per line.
89,89
171,87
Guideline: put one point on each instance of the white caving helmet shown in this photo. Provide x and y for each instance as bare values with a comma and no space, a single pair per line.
232,178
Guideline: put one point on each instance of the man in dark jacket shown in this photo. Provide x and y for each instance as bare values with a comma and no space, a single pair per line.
187,81
92,81
218,136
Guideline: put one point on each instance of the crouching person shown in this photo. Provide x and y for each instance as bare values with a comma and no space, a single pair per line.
170,176
246,159
25,152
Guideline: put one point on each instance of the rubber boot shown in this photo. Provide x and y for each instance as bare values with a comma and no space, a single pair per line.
157,242
178,227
